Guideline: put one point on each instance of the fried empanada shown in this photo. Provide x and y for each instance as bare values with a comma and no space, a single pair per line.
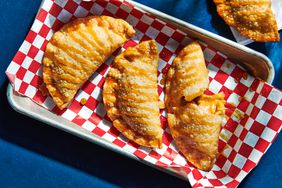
189,74
194,118
253,19
130,94
76,51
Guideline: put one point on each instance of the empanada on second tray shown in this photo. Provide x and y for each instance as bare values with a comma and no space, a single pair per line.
76,51
130,94
253,19
194,118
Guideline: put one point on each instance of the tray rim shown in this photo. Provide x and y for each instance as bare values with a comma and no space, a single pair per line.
87,135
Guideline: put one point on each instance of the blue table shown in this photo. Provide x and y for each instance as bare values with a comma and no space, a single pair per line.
33,154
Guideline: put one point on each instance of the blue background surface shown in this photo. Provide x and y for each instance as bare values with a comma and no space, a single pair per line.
33,154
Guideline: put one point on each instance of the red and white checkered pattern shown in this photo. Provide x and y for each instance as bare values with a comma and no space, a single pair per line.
243,141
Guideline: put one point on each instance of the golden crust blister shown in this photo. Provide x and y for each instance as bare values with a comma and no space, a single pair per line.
194,118
252,18
130,94
75,52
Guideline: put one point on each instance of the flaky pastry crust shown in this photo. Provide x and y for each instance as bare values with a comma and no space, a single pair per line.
75,52
194,118
130,94
252,18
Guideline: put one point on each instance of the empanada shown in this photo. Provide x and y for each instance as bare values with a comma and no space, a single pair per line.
194,118
77,50
253,19
130,94
189,74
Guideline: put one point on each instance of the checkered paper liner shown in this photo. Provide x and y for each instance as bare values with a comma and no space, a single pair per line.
254,108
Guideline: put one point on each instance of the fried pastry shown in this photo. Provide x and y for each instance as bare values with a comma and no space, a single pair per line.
130,94
76,51
194,118
189,73
253,19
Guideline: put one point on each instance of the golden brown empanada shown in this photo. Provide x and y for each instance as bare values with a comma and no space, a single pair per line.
189,73
77,50
253,19
194,118
130,94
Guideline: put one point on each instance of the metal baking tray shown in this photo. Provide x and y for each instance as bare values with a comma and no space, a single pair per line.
256,64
